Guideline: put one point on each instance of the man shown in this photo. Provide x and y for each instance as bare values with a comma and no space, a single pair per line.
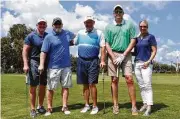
89,42
118,37
55,48
31,59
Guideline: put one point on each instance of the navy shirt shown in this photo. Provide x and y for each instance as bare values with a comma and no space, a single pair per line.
143,47
56,45
35,41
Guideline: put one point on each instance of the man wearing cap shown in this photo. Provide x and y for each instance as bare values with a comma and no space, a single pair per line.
89,42
31,59
118,37
55,48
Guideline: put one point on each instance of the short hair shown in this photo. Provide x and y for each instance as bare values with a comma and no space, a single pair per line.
145,21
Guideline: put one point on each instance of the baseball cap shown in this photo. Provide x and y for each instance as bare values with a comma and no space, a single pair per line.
57,20
88,18
41,20
117,6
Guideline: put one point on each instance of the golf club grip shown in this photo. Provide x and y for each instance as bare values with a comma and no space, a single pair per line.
117,71
26,78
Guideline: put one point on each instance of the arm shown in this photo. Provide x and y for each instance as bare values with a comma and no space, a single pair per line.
25,52
42,61
153,53
130,47
109,50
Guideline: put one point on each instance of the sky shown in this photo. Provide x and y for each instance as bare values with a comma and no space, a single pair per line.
163,17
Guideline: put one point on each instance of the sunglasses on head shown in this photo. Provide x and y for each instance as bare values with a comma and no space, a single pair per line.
118,11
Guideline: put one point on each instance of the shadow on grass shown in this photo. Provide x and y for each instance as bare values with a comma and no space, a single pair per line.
155,107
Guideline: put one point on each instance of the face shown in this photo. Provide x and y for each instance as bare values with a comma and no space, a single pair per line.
118,15
41,26
89,24
57,27
143,27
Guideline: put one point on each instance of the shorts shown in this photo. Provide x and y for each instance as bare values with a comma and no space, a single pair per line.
87,70
126,65
56,76
34,78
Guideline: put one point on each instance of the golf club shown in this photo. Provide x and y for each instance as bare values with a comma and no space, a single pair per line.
103,90
117,71
26,81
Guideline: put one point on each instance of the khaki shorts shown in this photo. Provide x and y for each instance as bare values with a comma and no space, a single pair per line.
56,76
126,65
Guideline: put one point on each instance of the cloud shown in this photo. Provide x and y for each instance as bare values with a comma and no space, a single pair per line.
171,42
169,17
152,19
158,5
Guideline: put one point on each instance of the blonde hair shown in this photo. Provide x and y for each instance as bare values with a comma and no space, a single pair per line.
145,21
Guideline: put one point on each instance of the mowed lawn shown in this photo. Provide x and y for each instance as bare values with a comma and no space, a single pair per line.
166,88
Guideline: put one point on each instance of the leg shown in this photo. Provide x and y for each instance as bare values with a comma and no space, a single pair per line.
114,87
42,90
93,94
50,94
86,94
32,92
65,94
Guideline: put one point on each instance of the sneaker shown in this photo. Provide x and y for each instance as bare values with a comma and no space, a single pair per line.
41,109
85,109
134,111
143,108
33,113
65,110
147,112
94,110
115,109
48,112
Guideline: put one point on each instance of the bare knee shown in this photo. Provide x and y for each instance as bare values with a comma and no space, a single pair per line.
32,90
92,86
129,80
114,80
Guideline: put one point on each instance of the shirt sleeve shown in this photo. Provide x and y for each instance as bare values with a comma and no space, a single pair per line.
27,40
107,35
132,31
152,41
71,36
46,45
102,40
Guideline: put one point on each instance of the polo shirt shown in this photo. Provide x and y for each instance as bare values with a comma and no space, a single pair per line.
56,45
118,36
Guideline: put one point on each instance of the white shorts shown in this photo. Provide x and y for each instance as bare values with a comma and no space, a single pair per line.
56,76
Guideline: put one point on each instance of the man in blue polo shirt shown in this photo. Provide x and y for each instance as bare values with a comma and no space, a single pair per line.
56,49
89,42
31,59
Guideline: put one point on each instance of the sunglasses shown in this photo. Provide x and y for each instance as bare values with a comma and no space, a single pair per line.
143,26
118,11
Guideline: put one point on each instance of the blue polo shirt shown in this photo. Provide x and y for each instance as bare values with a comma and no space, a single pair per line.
35,41
143,47
56,45
89,43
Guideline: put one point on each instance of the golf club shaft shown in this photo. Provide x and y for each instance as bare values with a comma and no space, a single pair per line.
103,89
26,81
117,71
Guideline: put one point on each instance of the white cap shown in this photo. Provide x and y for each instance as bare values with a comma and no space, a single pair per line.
89,18
41,19
117,7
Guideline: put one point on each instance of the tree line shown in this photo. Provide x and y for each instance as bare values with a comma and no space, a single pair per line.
11,52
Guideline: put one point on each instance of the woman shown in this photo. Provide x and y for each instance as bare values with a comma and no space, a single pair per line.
145,51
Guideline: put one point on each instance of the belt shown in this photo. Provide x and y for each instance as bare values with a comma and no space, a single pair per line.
89,59
118,51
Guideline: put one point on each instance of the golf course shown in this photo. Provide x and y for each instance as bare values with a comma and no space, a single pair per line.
165,88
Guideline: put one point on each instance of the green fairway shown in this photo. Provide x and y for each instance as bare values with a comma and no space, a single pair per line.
166,89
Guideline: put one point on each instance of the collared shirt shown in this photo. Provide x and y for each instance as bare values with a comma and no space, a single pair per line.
35,41
56,45
119,36
143,47
89,43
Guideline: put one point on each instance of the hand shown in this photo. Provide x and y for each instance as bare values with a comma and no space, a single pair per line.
41,69
119,60
146,64
102,64
26,69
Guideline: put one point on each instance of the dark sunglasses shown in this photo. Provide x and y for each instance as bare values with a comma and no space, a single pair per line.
118,11
143,26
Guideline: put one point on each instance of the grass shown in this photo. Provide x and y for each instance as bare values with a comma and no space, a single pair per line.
166,88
